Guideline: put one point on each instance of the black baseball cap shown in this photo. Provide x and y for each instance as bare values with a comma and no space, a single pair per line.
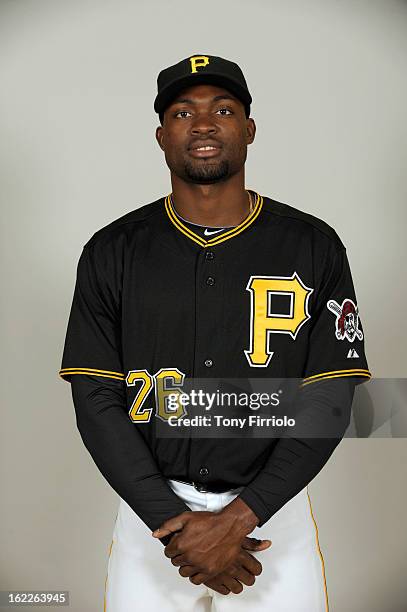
197,70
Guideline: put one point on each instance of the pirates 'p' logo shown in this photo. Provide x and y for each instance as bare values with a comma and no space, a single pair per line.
198,61
347,320
263,322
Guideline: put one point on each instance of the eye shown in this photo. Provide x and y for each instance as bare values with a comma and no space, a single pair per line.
181,111
225,109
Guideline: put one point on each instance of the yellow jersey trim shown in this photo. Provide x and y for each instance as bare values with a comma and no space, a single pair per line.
234,231
336,374
91,372
107,575
319,552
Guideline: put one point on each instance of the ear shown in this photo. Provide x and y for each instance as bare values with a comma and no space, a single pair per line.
159,135
250,130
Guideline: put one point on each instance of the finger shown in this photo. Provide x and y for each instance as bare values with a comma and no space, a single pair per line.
218,587
172,549
199,578
162,532
171,552
187,570
175,524
254,544
234,585
221,589
251,564
242,575
180,560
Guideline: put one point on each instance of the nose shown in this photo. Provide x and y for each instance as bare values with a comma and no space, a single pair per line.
203,124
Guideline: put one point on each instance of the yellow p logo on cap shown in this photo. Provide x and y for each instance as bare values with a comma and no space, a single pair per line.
198,61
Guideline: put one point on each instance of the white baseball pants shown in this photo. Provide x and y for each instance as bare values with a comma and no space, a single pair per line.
140,578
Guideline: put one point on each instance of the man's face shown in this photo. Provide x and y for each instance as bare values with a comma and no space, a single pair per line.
205,116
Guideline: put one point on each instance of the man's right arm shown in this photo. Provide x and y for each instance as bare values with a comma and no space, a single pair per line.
92,363
120,451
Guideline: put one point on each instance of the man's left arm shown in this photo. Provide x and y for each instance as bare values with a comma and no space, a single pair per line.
324,411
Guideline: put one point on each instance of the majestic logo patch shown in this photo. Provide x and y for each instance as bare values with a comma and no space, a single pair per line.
347,320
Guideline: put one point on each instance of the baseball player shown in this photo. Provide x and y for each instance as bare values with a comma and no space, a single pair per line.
213,280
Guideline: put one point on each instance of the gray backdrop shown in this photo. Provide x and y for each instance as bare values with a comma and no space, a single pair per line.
77,150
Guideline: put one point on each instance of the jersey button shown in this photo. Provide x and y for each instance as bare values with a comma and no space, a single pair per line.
210,281
208,363
209,255
203,471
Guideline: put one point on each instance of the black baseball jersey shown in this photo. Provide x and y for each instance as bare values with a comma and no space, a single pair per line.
158,300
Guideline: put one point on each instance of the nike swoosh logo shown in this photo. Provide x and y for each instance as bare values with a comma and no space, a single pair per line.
209,233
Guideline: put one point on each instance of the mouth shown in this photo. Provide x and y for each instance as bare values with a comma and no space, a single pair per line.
205,151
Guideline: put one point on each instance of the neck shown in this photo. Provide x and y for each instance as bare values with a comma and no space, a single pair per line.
220,204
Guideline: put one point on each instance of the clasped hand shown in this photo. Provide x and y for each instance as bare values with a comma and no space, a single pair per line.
211,548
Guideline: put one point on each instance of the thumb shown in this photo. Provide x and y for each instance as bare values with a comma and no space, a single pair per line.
174,524
254,544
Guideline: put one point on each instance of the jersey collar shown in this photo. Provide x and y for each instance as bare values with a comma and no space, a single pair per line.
169,207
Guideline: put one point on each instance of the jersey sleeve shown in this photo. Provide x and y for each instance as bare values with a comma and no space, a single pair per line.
93,337
337,340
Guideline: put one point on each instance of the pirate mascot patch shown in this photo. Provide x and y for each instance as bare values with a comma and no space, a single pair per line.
347,320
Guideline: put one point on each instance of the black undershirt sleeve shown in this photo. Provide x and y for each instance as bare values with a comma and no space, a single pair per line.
324,410
120,452
323,407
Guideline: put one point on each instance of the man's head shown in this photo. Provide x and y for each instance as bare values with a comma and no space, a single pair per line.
204,101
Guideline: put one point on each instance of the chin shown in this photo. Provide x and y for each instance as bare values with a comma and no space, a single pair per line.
208,173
